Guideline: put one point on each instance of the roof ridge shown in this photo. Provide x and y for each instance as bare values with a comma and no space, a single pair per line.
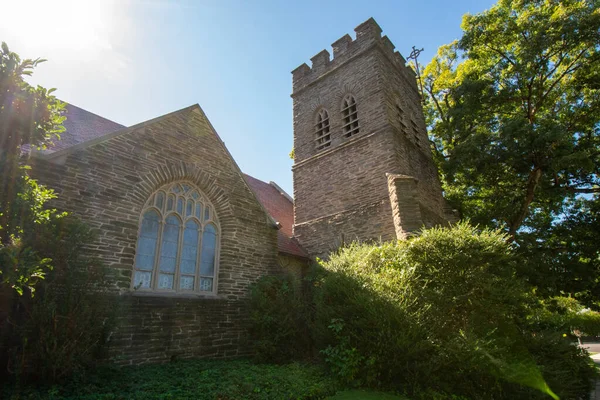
281,191
102,138
93,113
273,185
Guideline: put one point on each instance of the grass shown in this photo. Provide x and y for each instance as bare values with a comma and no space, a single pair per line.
196,379
364,395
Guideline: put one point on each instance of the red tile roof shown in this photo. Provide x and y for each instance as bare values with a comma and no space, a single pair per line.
281,208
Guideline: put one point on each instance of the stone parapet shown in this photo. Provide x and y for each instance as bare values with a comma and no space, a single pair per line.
368,34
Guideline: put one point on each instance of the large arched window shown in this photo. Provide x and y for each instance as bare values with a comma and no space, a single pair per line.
178,243
350,125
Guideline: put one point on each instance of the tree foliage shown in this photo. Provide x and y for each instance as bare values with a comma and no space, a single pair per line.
563,255
514,114
29,116
21,265
514,108
61,330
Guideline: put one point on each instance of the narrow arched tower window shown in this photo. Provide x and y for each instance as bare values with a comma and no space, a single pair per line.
178,243
350,125
323,136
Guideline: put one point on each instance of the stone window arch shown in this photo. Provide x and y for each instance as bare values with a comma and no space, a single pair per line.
322,130
177,248
350,126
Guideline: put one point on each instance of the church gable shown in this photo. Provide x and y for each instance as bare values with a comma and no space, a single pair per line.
184,136
114,182
108,182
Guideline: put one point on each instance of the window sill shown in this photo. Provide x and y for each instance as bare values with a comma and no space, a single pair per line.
173,295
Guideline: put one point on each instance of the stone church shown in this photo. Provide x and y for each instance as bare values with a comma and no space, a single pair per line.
184,231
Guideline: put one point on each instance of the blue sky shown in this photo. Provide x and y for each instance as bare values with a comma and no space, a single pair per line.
130,60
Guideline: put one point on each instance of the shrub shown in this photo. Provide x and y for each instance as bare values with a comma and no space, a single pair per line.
279,317
62,328
567,315
566,368
445,312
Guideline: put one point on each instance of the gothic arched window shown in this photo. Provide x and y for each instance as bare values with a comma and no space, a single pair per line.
323,137
349,117
178,242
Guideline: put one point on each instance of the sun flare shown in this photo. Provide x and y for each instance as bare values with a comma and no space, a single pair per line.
63,25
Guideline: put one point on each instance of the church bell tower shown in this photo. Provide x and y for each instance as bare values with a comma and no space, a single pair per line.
363,168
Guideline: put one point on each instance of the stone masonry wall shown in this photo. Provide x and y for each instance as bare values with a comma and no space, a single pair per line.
407,124
371,222
159,329
106,185
342,190
343,196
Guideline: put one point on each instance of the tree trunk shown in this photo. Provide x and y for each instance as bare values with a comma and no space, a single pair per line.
532,184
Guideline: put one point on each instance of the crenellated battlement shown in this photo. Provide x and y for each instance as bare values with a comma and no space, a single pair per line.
368,34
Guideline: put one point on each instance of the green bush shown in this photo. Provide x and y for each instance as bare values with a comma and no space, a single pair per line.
61,330
279,316
445,312
566,314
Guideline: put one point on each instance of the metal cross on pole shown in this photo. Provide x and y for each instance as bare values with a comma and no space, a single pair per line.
414,54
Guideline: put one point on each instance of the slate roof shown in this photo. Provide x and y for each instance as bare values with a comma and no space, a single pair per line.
83,126
281,208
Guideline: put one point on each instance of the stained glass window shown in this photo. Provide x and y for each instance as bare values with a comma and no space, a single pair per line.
207,262
168,252
146,249
160,198
177,248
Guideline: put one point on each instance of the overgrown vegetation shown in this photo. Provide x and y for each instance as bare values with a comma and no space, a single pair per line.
443,314
225,380
58,329
279,313
29,116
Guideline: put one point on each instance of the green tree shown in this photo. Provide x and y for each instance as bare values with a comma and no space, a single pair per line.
513,109
563,254
28,116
